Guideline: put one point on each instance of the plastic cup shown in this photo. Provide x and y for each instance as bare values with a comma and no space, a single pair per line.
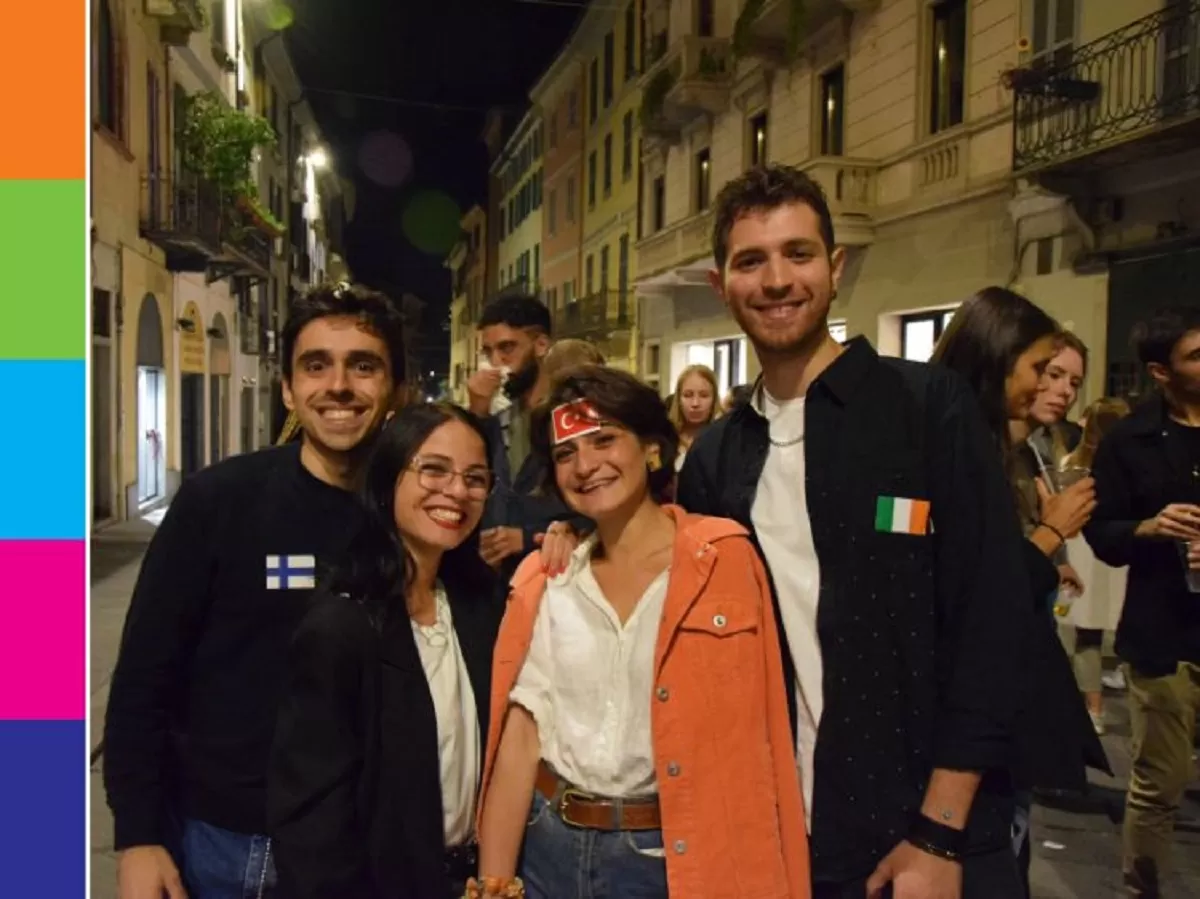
1062,478
1192,575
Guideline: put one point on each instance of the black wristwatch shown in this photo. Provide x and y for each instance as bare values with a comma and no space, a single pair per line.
936,838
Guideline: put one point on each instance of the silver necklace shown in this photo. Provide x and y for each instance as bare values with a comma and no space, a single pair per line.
760,404
784,444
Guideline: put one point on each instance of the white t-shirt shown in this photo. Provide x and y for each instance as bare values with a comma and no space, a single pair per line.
780,519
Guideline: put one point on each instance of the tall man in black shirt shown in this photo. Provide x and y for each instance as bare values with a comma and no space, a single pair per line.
1147,473
878,502
198,679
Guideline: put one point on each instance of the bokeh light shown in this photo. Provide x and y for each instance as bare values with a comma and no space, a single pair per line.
385,158
278,15
431,222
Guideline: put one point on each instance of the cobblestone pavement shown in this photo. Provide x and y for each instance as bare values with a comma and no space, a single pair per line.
1077,851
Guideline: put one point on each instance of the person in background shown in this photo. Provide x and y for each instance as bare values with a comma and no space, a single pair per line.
1041,441
223,584
567,354
693,407
1001,344
736,397
514,336
1147,472
1048,425
632,693
379,744
1098,608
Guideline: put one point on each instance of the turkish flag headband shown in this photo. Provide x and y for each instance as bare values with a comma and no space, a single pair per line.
575,419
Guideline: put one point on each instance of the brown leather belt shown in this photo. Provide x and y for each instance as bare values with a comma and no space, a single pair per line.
580,809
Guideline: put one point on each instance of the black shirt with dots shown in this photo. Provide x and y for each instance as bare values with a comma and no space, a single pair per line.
920,634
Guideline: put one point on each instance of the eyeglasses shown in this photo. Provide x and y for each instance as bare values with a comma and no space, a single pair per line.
435,475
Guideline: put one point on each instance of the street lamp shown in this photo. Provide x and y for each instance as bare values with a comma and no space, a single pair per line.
318,159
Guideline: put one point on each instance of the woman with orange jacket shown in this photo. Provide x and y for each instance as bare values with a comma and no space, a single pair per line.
639,738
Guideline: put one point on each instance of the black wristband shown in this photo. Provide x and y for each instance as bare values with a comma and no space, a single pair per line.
1053,530
936,838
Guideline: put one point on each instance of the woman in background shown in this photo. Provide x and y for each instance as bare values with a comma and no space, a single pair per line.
694,405
1001,344
378,748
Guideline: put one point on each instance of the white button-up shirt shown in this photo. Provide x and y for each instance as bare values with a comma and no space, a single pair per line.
588,682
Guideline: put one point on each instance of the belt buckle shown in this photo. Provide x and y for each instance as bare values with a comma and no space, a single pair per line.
568,794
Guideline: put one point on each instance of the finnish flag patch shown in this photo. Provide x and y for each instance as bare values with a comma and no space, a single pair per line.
291,572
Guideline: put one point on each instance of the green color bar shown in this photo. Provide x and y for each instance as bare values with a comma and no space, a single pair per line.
884,507
43,243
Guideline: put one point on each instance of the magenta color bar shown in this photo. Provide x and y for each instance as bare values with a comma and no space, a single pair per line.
43,600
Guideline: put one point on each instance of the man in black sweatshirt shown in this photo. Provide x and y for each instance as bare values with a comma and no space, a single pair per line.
201,666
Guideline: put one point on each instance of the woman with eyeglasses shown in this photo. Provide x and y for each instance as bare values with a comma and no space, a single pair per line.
375,768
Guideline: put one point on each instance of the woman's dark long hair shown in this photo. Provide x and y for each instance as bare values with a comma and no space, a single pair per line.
983,341
378,569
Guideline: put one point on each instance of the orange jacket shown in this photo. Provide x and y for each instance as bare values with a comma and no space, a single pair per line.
733,816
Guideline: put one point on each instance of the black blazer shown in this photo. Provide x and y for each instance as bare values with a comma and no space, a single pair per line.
353,789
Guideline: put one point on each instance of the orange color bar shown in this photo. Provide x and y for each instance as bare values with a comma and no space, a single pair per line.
43,90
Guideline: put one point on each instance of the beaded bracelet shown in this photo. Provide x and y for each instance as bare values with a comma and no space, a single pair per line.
499,887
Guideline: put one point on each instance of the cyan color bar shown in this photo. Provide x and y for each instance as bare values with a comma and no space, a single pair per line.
43,450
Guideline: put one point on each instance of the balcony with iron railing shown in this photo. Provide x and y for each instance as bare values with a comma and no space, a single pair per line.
182,215
1130,94
247,247
522,285
177,19
691,78
201,230
599,316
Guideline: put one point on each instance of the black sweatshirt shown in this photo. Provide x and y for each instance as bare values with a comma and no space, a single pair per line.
201,668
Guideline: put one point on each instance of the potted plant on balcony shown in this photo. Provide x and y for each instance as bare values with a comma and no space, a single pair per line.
217,143
259,215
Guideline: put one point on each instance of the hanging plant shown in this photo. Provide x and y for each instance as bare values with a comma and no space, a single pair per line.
260,215
217,142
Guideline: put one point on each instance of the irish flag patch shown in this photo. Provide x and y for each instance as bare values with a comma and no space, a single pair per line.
897,515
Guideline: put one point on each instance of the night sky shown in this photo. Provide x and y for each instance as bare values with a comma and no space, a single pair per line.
400,90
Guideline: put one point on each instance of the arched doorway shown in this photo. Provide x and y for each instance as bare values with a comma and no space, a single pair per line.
151,403
219,370
191,389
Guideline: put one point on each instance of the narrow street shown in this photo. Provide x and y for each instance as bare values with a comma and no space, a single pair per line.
115,560
1076,851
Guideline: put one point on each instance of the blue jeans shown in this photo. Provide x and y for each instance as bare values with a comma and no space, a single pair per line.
564,862
219,864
